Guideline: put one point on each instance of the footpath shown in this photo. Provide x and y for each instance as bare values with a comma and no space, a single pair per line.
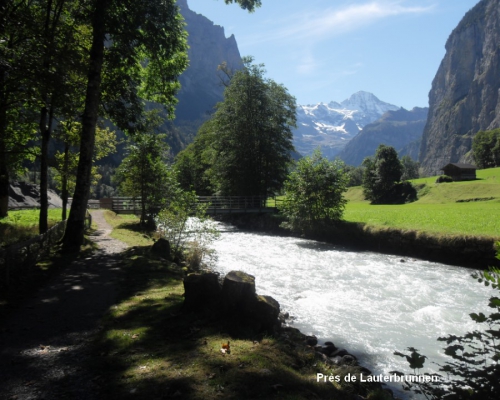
44,344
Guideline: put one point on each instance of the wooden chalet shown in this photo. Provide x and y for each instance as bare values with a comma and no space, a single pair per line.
460,172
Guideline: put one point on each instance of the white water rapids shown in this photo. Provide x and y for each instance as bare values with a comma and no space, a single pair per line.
368,303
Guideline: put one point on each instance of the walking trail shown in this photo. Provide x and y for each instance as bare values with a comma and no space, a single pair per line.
44,344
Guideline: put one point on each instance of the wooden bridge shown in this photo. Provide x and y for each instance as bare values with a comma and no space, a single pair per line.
216,204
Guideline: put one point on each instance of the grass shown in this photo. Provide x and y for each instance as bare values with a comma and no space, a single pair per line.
150,348
23,225
457,208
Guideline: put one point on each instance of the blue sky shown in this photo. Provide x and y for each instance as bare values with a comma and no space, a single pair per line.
324,50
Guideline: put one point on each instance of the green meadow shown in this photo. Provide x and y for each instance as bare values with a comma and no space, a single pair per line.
456,208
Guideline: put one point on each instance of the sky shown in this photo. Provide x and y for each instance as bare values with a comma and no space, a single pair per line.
327,50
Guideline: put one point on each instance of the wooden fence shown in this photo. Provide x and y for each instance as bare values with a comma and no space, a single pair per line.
17,258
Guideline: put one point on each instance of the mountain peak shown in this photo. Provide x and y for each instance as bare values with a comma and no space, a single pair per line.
330,126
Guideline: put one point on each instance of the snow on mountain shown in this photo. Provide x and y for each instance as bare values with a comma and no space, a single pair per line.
331,126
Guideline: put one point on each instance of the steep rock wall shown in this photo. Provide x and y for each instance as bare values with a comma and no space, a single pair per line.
465,94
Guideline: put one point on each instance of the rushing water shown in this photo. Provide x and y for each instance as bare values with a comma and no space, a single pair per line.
368,303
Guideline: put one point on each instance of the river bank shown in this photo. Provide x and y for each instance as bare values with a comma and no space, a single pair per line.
460,250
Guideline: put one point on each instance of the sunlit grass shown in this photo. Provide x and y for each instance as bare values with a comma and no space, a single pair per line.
457,208
21,225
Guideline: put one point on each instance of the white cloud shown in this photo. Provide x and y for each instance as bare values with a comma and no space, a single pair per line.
323,24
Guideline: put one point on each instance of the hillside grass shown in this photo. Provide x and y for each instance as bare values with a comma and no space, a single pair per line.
150,348
456,208
22,225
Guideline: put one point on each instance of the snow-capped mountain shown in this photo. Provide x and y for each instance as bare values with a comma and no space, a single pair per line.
331,126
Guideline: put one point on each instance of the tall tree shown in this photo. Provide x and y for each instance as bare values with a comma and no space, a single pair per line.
138,30
486,148
146,48
253,144
17,66
144,173
382,176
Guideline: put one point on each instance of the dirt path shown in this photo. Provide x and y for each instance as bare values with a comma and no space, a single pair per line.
44,345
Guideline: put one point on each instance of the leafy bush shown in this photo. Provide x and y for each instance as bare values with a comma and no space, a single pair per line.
444,179
314,193
185,224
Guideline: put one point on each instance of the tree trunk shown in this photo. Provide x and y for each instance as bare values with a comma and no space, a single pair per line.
4,171
73,236
64,181
46,130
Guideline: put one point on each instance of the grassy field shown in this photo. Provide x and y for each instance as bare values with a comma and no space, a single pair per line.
150,348
23,224
457,208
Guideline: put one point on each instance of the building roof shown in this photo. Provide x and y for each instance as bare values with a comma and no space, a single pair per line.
461,166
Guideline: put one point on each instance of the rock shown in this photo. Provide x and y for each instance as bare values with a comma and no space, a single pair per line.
337,360
311,340
201,291
464,98
265,313
23,194
238,292
349,359
328,349
162,248
340,353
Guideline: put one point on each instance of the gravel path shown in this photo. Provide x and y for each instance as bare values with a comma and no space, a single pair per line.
43,345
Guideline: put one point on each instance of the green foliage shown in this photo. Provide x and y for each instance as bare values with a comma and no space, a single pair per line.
410,168
486,148
314,193
144,173
253,140
382,175
355,175
185,224
193,164
444,179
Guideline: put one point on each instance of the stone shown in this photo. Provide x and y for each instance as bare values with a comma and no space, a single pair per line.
311,340
238,292
201,291
162,248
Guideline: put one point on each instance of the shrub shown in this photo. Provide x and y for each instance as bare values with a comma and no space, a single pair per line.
444,179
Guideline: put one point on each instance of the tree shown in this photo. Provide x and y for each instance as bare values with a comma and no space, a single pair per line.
382,176
147,49
314,193
144,174
486,148
66,162
193,164
253,140
410,168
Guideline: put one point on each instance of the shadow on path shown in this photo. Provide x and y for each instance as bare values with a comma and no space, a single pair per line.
44,344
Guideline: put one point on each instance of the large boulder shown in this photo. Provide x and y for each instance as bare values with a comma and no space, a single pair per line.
236,301
238,292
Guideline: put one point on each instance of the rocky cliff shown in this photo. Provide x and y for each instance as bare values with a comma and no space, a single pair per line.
397,128
465,94
208,48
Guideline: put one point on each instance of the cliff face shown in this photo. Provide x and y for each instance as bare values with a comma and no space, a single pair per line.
398,129
465,94
208,48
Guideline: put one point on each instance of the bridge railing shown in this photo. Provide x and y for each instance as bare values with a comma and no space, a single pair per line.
227,204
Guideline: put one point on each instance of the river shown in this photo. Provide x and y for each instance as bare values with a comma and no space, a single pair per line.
368,303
